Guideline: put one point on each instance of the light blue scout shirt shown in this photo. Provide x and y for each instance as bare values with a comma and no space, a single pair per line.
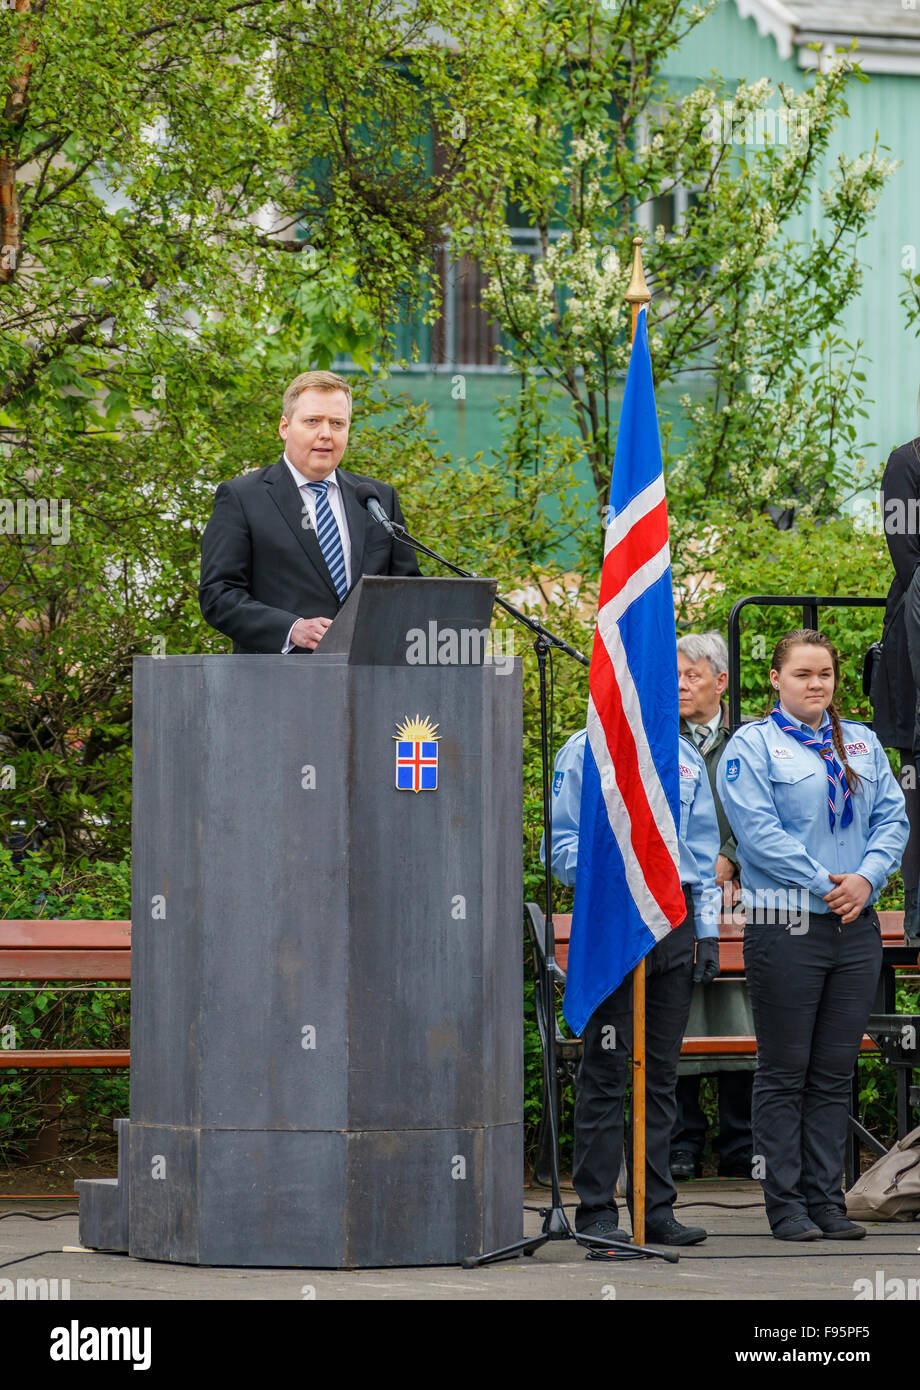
774,791
698,831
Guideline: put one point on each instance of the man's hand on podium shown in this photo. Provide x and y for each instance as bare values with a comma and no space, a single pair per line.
307,632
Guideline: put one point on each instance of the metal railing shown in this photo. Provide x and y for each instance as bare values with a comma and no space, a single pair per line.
810,603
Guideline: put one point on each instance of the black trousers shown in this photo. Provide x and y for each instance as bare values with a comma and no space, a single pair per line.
602,1077
811,994
733,1143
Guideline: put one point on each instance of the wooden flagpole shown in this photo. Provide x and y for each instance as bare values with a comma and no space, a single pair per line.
637,295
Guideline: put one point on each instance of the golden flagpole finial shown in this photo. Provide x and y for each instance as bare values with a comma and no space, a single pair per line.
638,292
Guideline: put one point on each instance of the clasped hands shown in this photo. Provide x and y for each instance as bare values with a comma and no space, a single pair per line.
849,896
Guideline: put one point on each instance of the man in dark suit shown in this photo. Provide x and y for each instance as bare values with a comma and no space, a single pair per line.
286,543
895,690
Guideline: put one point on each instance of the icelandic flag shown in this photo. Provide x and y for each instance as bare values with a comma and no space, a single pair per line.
416,765
627,887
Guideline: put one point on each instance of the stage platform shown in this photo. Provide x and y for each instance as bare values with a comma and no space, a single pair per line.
740,1260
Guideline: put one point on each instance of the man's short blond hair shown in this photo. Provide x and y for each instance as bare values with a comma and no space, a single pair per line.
313,381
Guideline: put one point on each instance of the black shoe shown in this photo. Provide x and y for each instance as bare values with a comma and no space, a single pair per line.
684,1165
836,1225
605,1228
669,1231
796,1228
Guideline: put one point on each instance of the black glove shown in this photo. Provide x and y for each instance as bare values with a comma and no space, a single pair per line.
707,960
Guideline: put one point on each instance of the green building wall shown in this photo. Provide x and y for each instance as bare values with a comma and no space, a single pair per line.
888,105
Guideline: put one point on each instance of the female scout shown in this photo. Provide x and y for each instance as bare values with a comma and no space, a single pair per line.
820,824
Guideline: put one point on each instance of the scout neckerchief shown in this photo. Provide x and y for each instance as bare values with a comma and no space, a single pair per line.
825,749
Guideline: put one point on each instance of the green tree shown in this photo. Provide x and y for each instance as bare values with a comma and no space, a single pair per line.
741,312
198,202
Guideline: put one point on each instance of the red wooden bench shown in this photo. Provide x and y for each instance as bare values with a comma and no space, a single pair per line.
731,965
64,951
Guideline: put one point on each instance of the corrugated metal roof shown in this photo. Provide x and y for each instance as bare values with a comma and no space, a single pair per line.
887,32
855,18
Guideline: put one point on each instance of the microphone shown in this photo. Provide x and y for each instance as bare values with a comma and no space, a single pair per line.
369,497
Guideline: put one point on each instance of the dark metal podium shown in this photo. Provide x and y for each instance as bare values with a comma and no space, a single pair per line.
326,1034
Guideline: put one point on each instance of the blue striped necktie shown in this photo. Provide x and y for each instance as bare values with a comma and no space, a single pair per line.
702,737
835,773
327,533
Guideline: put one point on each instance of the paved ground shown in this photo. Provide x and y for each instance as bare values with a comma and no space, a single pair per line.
740,1260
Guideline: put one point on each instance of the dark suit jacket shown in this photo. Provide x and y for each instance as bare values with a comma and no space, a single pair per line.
261,569
896,711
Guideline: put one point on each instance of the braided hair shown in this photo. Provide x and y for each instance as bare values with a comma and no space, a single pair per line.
807,637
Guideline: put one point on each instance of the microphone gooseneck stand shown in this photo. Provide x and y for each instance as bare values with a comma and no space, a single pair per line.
556,1225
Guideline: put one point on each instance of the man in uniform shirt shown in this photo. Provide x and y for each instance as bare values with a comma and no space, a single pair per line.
670,971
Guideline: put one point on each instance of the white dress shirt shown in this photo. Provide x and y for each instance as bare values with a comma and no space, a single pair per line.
336,506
